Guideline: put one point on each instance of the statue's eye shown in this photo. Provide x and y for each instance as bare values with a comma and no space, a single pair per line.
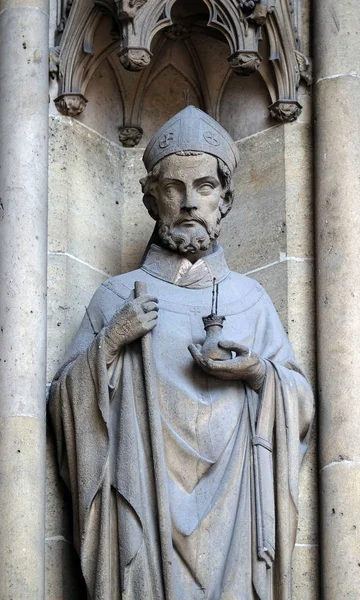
206,188
171,187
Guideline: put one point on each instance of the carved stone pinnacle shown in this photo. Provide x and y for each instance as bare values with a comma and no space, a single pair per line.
130,135
245,62
71,104
135,59
285,111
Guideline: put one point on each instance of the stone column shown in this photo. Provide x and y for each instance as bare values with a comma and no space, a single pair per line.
336,43
23,245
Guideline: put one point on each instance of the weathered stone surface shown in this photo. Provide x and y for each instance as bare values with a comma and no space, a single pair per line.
254,234
63,580
306,573
58,511
272,212
22,511
23,193
71,286
338,244
337,187
306,100
290,285
252,95
298,190
23,246
308,525
94,195
336,29
275,281
105,109
43,5
340,492
301,313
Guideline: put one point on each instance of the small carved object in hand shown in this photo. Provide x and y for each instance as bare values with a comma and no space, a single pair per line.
213,325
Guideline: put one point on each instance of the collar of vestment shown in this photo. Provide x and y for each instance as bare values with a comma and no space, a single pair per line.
175,268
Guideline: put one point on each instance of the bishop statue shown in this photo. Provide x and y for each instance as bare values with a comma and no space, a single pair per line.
181,417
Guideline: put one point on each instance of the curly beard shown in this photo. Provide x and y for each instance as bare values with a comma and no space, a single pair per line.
185,240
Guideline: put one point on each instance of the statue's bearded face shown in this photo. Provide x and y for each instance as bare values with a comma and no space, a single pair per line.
190,202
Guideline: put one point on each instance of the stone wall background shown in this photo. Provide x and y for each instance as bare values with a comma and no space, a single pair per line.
98,227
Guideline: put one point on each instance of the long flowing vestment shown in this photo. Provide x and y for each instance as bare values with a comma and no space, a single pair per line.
231,456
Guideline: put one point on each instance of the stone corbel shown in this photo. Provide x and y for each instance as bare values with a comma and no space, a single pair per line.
244,62
130,135
134,59
71,104
285,111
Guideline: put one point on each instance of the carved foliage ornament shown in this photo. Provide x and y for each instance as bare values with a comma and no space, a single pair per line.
254,11
245,63
241,22
134,59
285,111
127,9
130,136
70,105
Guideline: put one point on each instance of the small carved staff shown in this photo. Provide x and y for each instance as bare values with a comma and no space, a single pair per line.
157,447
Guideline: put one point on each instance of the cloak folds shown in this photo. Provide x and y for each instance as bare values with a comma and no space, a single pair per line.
223,443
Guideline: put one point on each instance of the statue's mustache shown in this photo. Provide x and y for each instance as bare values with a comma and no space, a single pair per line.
196,219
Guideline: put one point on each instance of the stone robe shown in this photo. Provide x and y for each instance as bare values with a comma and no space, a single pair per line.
230,456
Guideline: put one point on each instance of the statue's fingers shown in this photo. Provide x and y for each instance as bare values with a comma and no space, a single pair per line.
214,365
149,306
149,325
146,298
239,349
194,351
150,316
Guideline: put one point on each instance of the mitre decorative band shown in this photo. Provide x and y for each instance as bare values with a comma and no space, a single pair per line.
191,129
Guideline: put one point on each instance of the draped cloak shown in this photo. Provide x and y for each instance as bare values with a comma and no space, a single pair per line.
231,456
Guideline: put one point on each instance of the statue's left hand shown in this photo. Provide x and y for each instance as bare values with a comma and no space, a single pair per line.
246,365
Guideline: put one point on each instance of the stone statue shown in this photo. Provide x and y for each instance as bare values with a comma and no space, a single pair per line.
182,458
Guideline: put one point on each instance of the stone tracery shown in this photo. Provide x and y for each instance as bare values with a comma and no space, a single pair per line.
135,24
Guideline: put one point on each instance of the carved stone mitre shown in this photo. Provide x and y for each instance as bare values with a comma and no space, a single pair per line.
191,130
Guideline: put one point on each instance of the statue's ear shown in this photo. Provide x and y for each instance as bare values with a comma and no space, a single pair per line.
226,202
150,202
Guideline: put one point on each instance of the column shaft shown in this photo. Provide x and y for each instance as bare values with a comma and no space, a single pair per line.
23,249
337,182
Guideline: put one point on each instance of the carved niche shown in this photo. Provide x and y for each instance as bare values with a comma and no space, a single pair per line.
242,23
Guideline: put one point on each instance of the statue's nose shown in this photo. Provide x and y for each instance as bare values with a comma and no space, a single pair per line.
189,201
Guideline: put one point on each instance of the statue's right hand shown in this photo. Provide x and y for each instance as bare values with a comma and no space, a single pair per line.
134,319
